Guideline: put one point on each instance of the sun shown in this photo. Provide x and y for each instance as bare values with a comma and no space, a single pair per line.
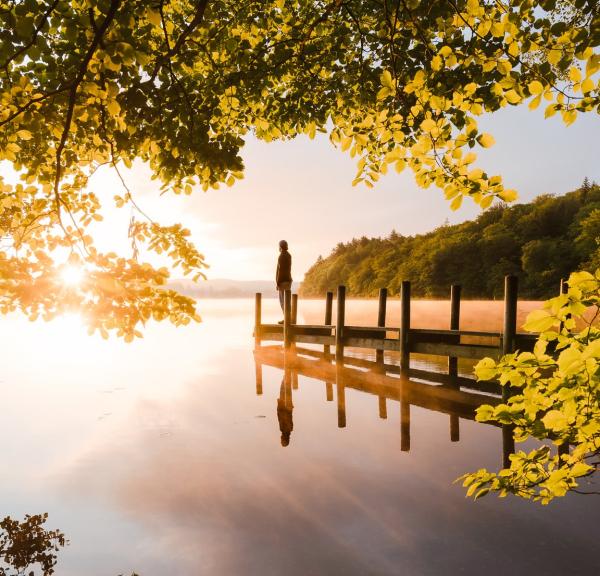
71,275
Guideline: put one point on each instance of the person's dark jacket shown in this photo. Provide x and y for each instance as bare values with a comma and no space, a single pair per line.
284,268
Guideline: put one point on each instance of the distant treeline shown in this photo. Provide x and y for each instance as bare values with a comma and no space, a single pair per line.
540,242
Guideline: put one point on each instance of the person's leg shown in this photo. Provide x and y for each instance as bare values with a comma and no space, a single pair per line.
281,296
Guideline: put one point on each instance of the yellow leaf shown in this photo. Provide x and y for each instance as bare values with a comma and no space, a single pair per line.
536,87
486,201
386,79
574,74
497,29
486,140
580,469
550,111
535,102
456,203
24,135
473,7
427,125
569,116
346,141
508,195
113,107
587,85
554,56
539,321
555,420
570,361
512,96
153,16
475,174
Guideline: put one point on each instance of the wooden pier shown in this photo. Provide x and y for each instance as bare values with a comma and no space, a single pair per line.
446,392
403,339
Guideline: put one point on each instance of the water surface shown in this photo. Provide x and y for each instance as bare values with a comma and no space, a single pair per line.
160,457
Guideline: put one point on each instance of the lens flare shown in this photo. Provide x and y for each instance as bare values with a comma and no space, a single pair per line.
71,275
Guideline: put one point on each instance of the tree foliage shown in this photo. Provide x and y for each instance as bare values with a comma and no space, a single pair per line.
555,399
28,545
179,84
542,242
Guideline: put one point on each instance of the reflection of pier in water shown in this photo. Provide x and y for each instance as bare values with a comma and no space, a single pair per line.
450,397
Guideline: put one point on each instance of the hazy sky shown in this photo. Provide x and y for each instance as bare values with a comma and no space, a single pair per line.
301,191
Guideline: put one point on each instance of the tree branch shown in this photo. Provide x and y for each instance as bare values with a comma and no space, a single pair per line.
194,23
114,5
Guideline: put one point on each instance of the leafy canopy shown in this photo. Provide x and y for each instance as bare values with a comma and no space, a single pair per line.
555,399
179,84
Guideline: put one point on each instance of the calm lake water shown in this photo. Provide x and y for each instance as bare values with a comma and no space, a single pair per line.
159,457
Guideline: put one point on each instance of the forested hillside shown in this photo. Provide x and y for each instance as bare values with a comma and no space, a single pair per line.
541,242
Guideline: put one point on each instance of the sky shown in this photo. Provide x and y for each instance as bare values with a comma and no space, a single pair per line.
301,191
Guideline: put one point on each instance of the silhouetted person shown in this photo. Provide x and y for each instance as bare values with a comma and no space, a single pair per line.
284,411
283,277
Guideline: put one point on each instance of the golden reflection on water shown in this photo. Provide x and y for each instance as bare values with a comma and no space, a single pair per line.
159,456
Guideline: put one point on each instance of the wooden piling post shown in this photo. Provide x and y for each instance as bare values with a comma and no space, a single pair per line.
257,318
339,327
404,426
259,375
295,380
511,294
381,319
328,319
454,428
382,407
294,316
404,328
341,397
508,444
329,391
455,291
454,325
294,308
564,289
287,319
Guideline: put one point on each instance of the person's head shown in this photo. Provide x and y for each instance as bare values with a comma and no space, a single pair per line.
283,245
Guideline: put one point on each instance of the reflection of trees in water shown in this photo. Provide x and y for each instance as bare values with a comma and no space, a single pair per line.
28,544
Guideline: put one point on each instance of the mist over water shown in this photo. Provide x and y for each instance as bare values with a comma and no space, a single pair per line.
160,457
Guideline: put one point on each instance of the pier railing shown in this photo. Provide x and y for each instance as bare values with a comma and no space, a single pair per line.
452,343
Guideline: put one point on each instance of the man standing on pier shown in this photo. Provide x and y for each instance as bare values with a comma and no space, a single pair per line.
283,278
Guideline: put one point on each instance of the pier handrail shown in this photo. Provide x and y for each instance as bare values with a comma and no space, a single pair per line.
402,338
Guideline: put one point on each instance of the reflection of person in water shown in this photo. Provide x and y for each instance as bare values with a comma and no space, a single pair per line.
284,410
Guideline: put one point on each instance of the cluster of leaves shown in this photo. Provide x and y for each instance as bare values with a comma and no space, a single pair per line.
180,83
541,242
26,544
554,398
